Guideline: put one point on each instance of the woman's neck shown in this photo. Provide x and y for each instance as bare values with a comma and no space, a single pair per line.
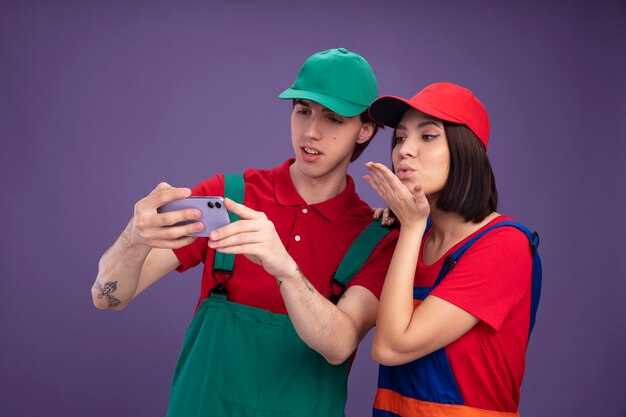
448,229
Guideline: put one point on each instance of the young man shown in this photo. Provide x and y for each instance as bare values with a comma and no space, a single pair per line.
265,339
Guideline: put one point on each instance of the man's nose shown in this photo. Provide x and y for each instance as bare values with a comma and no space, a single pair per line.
313,130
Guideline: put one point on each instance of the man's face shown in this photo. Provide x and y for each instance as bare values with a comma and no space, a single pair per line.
323,141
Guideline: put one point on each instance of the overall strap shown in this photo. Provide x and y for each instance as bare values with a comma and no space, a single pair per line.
429,224
233,189
357,254
533,239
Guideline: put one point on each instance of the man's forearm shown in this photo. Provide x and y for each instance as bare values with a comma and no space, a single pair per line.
119,270
331,330
318,322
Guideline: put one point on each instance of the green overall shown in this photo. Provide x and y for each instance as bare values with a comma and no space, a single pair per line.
238,360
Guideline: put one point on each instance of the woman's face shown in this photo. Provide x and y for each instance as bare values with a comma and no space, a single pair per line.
420,154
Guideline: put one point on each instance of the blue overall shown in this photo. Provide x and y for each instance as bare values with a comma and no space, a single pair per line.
430,379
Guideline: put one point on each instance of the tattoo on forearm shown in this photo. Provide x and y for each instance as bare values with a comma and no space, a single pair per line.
279,282
107,292
306,281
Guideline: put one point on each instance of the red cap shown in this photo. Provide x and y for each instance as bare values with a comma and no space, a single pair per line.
445,101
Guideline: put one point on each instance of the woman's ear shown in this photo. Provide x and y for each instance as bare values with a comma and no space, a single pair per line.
365,133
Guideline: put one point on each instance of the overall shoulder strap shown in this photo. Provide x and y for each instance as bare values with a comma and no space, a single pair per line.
533,239
428,225
357,254
360,251
233,189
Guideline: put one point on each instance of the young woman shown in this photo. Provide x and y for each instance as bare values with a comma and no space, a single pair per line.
452,345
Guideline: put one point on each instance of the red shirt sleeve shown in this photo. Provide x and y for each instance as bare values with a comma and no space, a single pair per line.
491,277
194,253
374,270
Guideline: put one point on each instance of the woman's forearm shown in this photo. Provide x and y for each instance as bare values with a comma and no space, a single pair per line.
396,301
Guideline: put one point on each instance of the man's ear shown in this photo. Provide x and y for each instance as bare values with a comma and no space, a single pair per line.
365,133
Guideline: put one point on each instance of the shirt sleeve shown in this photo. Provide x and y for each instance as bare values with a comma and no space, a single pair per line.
194,253
491,277
372,275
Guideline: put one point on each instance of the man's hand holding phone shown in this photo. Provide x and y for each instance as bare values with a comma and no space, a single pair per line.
214,214
159,230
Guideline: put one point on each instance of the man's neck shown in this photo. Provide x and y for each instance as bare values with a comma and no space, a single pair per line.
319,189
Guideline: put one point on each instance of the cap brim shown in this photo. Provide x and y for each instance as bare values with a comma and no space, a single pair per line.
337,105
388,110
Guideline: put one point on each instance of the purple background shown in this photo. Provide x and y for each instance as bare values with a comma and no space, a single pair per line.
102,100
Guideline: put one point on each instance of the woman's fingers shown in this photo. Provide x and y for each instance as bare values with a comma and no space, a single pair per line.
388,217
385,214
406,203
374,184
378,179
387,182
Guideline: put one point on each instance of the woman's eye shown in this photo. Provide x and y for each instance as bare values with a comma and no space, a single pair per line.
398,139
429,137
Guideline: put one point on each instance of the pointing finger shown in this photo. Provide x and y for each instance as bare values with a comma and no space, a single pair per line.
246,213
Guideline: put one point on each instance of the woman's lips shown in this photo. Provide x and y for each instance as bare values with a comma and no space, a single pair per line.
404,172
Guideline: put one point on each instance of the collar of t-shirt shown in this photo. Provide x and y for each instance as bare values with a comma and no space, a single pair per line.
287,195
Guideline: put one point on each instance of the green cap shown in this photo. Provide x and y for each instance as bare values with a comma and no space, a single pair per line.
337,79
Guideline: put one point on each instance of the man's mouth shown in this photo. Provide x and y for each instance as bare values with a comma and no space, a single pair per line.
310,151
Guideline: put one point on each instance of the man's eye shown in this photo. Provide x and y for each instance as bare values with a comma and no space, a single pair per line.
335,119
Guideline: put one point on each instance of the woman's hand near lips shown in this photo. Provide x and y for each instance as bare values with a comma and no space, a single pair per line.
410,206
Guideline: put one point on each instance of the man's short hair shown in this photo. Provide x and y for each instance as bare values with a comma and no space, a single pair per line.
360,147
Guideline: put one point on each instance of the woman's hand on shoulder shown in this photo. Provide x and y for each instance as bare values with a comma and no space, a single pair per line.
388,218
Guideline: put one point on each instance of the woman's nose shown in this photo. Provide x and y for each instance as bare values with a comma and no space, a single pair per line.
407,148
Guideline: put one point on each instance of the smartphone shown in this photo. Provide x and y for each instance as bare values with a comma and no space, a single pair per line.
214,215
